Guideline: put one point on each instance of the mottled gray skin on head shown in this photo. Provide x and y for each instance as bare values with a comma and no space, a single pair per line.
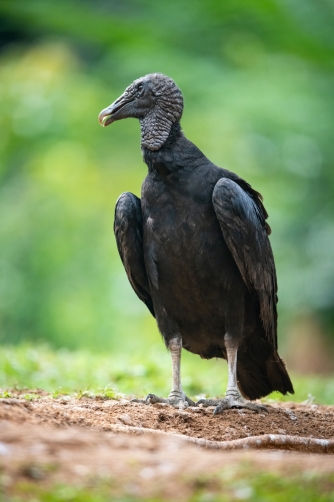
196,251
156,125
158,104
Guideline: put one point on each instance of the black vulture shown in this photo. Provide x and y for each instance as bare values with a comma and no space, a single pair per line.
196,251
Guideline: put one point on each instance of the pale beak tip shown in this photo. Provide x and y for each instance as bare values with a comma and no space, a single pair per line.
103,119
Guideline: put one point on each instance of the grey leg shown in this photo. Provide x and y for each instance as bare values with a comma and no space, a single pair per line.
175,347
233,398
177,397
232,354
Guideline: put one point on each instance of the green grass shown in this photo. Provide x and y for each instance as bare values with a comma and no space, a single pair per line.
112,374
26,368
242,483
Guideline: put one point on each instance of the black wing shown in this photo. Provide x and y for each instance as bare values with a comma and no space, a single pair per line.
241,216
129,238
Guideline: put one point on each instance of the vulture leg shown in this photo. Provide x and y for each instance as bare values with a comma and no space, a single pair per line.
177,397
233,398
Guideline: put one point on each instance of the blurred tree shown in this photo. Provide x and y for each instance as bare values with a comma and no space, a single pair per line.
257,79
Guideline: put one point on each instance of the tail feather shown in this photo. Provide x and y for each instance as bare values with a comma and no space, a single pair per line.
261,371
278,375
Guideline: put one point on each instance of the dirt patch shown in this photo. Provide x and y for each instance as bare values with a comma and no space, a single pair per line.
76,441
284,419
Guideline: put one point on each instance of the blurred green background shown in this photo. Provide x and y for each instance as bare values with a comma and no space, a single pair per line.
257,78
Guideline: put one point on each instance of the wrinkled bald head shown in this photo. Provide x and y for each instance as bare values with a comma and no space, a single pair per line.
155,100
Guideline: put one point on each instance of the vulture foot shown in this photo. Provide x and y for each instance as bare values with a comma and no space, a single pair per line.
232,400
176,399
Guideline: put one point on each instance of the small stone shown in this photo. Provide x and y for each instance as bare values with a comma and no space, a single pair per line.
4,449
125,419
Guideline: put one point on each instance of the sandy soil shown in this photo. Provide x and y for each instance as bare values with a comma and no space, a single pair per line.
76,440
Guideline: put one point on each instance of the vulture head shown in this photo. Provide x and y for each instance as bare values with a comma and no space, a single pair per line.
155,100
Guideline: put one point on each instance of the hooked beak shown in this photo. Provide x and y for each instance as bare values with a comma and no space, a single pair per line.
105,117
112,112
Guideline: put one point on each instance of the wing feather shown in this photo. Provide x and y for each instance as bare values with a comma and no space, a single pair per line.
129,238
242,220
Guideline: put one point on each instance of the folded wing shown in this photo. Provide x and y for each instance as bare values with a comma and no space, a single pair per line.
242,220
129,238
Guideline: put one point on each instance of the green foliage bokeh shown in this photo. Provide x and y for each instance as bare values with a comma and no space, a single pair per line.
257,78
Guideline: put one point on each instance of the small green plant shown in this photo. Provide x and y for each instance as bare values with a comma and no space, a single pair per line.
112,376
5,394
31,396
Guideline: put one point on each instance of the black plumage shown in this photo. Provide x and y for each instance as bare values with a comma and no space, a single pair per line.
196,251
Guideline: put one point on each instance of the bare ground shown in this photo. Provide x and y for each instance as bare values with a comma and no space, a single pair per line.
145,450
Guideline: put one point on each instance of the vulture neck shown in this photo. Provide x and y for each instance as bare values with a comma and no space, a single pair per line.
162,161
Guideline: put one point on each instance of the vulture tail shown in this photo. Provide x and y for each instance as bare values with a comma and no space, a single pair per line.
261,371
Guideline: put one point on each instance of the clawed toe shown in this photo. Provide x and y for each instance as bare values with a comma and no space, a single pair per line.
238,402
231,401
208,402
175,400
136,400
152,399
